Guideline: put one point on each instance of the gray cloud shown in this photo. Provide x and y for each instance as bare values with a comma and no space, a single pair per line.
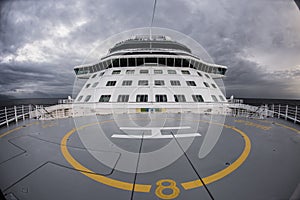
41,41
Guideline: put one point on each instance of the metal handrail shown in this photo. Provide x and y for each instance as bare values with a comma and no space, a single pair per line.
14,114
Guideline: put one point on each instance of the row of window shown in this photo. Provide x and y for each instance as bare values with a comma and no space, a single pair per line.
155,71
146,83
158,98
151,61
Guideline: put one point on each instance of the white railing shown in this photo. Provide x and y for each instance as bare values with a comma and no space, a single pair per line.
14,114
287,112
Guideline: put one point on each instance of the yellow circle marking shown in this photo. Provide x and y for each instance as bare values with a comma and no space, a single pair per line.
214,177
171,185
16,129
143,187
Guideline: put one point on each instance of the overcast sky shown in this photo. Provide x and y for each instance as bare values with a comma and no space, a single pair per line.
41,41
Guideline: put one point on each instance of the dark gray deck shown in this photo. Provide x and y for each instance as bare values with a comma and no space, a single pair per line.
34,162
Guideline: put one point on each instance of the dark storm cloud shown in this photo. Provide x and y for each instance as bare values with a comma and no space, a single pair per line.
41,41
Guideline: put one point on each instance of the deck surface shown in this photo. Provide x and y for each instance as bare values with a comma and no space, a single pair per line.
100,157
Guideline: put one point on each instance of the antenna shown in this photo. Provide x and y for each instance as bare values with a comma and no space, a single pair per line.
153,13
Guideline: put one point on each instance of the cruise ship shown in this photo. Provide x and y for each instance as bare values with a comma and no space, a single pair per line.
150,121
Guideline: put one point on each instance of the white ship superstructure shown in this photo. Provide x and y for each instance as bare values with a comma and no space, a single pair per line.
148,72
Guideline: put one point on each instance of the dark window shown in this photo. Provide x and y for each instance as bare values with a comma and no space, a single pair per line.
79,98
95,84
185,72
87,85
199,74
123,62
179,98
185,63
131,62
214,98
123,98
104,98
142,98
177,62
206,84
170,62
129,71
116,72
143,82
197,98
162,61
116,63
222,99
127,83
94,75
87,98
151,60
171,71
207,76
139,61
101,74
111,83
159,82
191,83
158,71
144,71
214,86
175,82
161,98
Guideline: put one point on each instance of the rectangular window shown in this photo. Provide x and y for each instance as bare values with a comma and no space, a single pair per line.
222,98
191,83
144,71
198,98
161,98
142,98
87,85
171,71
162,61
87,98
111,83
79,98
178,62
123,98
158,71
127,83
94,75
206,84
207,75
101,74
214,86
123,62
143,82
159,82
129,71
104,98
214,98
131,62
116,72
185,72
199,74
179,98
175,83
95,84
139,61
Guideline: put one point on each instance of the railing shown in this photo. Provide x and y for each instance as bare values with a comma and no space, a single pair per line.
287,112
14,114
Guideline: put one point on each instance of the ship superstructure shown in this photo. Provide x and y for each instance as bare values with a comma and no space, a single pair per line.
145,71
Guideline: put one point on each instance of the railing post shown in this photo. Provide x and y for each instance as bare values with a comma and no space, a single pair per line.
5,111
296,115
36,115
23,113
286,111
16,117
29,111
279,111
273,110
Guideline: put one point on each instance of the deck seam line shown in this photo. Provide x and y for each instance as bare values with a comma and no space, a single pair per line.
193,167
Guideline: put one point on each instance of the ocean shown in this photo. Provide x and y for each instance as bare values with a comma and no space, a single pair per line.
52,101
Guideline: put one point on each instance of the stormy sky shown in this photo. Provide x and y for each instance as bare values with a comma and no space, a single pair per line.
41,41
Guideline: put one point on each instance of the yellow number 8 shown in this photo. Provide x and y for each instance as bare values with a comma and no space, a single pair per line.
171,185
